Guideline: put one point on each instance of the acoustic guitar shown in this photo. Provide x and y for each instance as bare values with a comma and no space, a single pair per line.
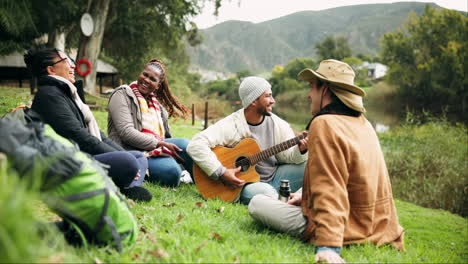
246,154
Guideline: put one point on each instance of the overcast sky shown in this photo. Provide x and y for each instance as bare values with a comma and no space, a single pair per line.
262,10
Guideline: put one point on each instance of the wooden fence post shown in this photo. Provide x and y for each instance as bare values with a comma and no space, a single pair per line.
193,114
206,115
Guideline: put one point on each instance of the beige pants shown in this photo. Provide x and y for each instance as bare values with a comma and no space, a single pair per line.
278,215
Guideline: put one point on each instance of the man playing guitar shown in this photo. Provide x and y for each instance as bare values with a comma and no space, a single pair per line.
255,120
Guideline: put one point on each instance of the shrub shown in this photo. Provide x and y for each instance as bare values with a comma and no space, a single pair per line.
293,107
428,163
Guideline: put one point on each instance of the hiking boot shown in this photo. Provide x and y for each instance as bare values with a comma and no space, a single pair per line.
137,193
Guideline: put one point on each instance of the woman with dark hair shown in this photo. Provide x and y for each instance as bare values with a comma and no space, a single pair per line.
58,103
138,119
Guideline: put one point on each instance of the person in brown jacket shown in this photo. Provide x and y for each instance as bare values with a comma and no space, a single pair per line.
347,195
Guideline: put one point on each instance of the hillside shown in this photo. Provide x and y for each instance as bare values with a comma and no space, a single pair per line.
236,45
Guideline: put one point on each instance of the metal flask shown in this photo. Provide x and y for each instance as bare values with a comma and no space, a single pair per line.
284,191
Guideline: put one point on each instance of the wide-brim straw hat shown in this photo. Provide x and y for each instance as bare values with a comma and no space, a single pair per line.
342,75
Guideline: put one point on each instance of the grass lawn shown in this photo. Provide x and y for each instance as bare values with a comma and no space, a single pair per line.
178,226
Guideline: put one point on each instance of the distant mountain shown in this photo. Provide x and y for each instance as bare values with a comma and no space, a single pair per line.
236,45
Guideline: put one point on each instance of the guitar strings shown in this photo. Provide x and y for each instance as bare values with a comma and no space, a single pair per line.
269,151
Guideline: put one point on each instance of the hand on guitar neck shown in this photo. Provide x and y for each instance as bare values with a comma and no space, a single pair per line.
303,143
230,179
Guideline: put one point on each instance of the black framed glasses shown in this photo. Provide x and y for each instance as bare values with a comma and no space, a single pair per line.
70,61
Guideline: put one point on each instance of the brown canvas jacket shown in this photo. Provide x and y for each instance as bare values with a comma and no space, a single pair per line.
347,195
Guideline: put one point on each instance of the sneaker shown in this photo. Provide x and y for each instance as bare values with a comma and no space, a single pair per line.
185,177
137,193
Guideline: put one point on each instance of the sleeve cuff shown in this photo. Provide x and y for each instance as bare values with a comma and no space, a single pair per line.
337,250
218,172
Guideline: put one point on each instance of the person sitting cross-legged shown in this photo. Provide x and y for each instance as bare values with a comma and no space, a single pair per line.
255,120
138,120
347,196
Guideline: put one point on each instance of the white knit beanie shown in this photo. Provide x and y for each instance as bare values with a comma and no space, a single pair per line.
251,88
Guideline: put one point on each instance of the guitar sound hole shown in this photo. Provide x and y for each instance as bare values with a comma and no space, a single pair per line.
243,162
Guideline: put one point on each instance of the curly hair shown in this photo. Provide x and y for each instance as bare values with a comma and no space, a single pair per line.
164,95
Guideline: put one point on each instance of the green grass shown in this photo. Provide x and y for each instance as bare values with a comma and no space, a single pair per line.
179,226
10,98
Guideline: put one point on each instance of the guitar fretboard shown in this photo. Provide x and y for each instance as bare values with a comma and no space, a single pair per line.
275,149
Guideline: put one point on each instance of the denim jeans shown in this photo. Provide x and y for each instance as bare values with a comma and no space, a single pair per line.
143,166
292,172
124,166
165,170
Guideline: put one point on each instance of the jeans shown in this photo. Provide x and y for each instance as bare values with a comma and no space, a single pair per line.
292,172
142,165
165,170
124,166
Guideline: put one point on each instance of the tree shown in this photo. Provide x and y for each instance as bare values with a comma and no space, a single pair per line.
90,47
227,89
427,61
35,21
21,30
285,78
15,28
333,48
140,30
61,23
365,57
242,74
126,30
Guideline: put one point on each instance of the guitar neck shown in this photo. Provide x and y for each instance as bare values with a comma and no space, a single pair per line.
275,149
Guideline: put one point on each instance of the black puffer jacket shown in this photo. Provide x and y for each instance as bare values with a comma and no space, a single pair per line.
54,103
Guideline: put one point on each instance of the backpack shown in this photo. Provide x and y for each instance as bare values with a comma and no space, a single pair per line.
74,185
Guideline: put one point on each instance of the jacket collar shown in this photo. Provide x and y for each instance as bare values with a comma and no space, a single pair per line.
47,80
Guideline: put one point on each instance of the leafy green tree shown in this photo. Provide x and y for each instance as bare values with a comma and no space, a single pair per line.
427,61
365,57
333,48
127,31
226,89
140,30
19,30
285,78
242,74
15,28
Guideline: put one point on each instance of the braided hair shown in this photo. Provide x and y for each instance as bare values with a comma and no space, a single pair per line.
164,95
38,60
